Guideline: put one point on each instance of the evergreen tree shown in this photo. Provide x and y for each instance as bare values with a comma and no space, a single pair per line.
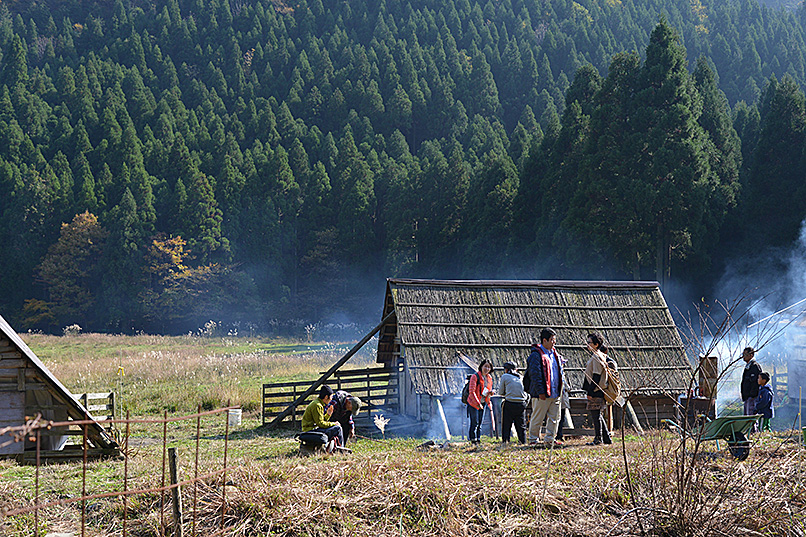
775,179
16,63
725,159
491,202
85,183
123,278
657,190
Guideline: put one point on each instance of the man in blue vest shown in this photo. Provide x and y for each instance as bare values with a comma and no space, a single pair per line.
545,371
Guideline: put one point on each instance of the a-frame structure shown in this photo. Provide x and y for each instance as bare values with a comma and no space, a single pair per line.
28,389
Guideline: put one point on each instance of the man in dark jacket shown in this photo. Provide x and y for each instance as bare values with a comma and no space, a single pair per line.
750,382
545,371
345,406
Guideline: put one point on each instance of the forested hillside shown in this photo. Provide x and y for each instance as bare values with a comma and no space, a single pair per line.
167,162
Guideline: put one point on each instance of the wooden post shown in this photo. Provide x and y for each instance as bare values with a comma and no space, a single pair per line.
294,398
369,395
633,417
569,421
774,383
112,403
176,497
401,387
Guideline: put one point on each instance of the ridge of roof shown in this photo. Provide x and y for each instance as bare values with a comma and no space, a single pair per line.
561,284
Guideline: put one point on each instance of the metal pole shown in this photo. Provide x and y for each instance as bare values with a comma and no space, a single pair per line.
164,455
126,476
777,313
84,485
224,477
196,469
176,496
36,501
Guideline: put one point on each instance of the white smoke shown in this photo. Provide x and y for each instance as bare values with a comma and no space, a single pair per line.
769,286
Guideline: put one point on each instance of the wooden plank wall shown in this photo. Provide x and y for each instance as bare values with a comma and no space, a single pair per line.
12,414
651,410
13,370
13,377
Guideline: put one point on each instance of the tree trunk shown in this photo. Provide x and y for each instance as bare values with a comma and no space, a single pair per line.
663,257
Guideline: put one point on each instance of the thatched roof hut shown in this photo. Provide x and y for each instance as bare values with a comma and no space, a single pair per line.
438,321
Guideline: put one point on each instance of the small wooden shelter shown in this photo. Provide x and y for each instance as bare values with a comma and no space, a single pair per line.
441,327
27,388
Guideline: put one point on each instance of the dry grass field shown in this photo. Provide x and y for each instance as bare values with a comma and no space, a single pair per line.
642,485
156,373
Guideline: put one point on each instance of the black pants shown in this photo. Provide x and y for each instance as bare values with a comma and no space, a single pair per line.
513,414
600,432
332,432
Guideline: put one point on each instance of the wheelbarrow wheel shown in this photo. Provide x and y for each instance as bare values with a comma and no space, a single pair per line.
739,446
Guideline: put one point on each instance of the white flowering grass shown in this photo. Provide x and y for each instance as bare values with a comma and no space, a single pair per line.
156,373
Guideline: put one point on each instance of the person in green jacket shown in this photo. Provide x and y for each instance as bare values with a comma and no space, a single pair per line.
314,417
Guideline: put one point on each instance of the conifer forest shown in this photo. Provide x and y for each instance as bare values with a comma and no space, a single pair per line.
270,162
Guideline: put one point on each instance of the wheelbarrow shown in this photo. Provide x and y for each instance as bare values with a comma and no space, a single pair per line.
732,429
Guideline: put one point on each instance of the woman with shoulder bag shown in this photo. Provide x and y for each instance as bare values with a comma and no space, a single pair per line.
595,381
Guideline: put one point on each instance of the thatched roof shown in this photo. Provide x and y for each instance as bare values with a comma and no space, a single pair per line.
75,410
438,320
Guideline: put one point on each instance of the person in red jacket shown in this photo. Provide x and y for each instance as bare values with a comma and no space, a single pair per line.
478,398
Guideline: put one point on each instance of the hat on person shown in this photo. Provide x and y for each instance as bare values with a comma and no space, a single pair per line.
355,404
509,366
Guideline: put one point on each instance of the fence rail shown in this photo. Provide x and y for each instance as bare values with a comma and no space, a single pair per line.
37,428
100,405
375,386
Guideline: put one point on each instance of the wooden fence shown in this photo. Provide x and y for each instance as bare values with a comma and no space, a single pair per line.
101,406
375,386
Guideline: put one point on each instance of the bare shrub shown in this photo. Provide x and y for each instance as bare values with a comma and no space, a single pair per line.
679,487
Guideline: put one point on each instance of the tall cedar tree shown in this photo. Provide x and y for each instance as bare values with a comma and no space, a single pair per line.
658,187
776,178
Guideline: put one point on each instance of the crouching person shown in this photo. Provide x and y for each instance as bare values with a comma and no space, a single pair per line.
314,419
344,406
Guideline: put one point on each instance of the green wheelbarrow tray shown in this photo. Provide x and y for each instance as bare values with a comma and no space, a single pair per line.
732,429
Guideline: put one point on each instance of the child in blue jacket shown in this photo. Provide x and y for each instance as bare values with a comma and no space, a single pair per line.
764,401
